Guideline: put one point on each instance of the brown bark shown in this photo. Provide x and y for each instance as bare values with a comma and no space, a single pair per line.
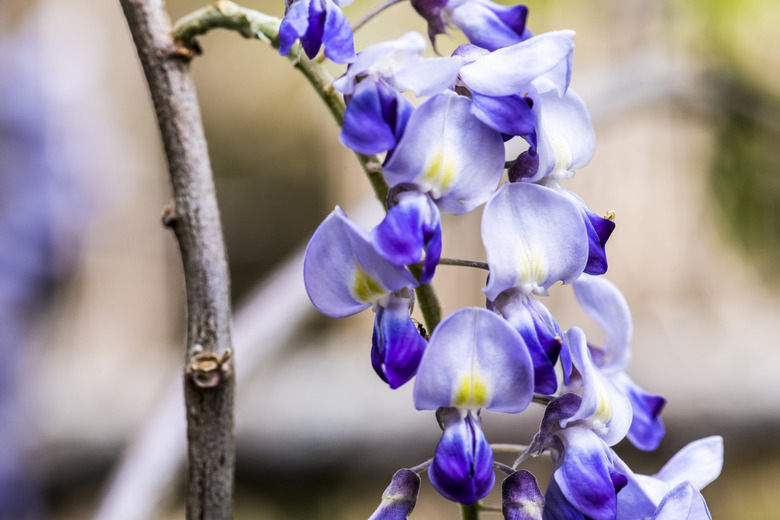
194,217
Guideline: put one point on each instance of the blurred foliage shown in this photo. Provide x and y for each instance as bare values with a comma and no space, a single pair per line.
739,39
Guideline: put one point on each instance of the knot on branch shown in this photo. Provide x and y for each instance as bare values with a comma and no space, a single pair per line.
169,217
208,369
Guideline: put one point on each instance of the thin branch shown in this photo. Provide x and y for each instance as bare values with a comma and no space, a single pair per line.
372,13
509,448
503,467
194,217
464,263
254,24
423,466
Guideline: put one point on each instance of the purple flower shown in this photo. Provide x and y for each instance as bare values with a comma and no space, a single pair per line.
657,496
585,480
486,24
449,154
400,497
474,360
521,497
410,232
377,113
534,237
317,23
344,274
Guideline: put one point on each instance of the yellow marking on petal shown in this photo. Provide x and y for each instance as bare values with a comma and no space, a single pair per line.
533,267
563,157
603,411
472,393
439,172
364,288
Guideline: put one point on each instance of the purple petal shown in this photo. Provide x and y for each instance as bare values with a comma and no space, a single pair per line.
509,115
337,35
410,230
294,25
647,428
587,477
311,40
541,334
557,507
462,468
489,25
475,359
449,153
375,118
400,497
342,271
521,497
397,345
533,237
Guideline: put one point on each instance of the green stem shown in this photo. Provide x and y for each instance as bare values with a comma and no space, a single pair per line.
427,301
470,512
254,24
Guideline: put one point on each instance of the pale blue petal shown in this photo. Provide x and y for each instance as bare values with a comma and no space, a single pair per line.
700,462
338,256
447,152
607,306
510,70
533,237
606,409
683,502
475,359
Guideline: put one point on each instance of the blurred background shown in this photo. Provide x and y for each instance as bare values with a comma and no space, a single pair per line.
685,98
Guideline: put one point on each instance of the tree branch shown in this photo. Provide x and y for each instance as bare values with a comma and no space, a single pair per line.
194,217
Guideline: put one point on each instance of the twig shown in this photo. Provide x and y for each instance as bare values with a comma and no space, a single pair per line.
194,217
372,13
464,263
254,24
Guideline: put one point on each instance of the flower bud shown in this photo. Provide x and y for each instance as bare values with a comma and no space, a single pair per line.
521,497
399,498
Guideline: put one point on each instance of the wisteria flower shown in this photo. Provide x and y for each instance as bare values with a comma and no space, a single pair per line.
317,23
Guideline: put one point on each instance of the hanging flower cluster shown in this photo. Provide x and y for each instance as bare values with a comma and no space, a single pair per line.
448,155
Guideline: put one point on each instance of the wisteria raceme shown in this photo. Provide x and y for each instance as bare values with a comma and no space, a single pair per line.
448,154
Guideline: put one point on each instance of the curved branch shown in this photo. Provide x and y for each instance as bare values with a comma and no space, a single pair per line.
194,217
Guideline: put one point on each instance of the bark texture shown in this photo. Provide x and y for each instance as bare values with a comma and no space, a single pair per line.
194,217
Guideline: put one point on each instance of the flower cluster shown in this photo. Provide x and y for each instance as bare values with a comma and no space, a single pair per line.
448,155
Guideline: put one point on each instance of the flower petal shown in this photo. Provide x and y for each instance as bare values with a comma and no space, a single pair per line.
475,359
342,271
375,118
448,152
511,70
462,468
337,35
521,497
647,428
607,306
397,345
607,410
400,497
683,502
533,237
587,477
410,230
490,25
